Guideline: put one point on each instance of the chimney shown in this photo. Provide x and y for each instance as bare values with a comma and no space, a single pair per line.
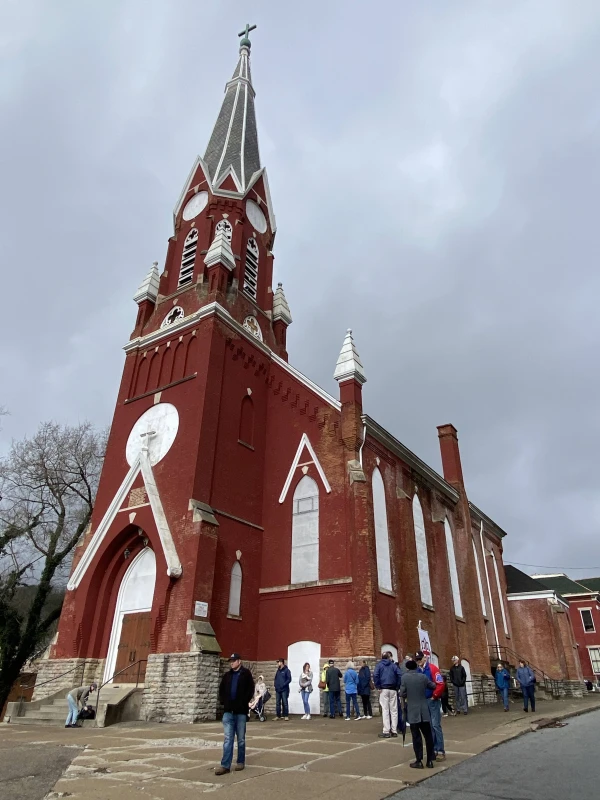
451,466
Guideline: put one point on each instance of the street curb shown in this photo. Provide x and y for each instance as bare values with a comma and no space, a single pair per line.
530,729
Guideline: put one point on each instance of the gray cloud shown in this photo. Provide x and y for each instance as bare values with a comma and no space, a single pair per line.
435,174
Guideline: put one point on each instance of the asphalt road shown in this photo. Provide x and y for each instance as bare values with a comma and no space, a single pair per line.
550,764
29,771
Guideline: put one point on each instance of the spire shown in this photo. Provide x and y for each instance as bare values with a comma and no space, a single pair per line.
220,252
233,146
349,366
148,289
281,310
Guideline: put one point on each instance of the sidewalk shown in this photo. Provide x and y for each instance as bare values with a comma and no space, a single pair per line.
297,759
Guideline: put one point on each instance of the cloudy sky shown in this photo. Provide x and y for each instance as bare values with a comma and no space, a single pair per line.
435,169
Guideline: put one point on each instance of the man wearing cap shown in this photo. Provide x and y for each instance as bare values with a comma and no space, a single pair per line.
414,687
74,699
387,678
434,701
283,678
235,693
458,676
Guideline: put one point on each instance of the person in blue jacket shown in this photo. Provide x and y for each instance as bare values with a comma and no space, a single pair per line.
283,678
387,678
526,679
503,683
351,687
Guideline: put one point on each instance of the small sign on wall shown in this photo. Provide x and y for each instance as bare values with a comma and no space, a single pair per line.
200,609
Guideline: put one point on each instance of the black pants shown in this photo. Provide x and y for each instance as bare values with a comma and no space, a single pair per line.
446,707
416,730
366,704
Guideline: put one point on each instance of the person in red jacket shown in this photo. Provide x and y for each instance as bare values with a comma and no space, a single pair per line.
434,701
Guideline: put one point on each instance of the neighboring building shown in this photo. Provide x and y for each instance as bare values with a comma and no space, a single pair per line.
242,507
583,597
542,630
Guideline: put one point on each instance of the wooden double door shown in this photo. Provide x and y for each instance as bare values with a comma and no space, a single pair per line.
134,646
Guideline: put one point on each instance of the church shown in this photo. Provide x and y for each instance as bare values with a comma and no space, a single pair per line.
242,507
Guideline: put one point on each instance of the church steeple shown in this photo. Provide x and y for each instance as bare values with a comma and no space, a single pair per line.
233,145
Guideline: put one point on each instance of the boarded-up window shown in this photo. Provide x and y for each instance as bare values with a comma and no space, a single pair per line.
479,581
382,539
305,532
235,589
452,567
422,558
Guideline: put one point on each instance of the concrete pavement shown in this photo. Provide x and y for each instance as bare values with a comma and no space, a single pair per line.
305,759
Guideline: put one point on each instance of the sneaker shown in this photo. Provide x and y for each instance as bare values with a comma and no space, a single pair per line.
307,716
394,734
444,715
368,717
347,719
359,717
303,716
277,719
287,719
222,771
331,716
239,767
440,757
383,735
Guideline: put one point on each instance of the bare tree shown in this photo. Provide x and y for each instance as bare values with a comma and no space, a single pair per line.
47,487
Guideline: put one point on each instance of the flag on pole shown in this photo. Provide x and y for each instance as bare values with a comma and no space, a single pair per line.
424,643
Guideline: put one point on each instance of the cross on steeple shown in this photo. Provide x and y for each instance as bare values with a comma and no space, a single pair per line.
246,41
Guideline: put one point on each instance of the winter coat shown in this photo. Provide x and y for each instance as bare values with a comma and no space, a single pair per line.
306,682
243,695
332,679
502,678
525,676
458,675
434,674
364,681
283,678
414,687
351,681
324,679
387,675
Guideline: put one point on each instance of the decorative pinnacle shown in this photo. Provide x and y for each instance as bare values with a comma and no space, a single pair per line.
246,41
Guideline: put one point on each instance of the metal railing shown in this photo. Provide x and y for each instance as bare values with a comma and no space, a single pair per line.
509,656
36,685
120,672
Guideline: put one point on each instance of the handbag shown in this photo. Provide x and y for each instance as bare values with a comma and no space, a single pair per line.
371,684
322,685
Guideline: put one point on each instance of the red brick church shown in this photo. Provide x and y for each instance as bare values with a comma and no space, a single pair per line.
242,507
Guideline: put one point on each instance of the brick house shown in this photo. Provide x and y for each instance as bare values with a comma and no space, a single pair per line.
583,598
242,507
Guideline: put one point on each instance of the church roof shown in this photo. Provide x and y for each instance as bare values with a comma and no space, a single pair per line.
562,584
233,145
518,582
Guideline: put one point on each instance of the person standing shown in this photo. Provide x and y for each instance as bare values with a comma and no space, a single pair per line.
283,678
414,687
364,690
445,698
325,690
351,687
435,702
526,678
332,678
306,688
75,698
235,693
502,679
387,678
458,677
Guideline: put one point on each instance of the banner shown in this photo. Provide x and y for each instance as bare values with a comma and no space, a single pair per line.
424,643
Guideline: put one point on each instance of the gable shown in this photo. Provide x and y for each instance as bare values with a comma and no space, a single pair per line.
311,459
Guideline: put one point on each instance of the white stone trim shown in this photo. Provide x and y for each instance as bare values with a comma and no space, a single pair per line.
541,595
304,442
174,569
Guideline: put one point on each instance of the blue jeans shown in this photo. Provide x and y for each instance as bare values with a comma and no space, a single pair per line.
305,701
529,695
73,711
504,692
282,700
435,712
354,698
234,724
334,703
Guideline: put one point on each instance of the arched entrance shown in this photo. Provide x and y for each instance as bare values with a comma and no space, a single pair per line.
130,633
298,654
392,649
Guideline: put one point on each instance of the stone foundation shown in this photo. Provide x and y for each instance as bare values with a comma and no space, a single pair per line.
181,687
51,676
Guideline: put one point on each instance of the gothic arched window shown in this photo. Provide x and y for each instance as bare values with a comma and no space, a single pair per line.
452,566
305,532
382,538
186,271
224,227
251,269
422,558
235,590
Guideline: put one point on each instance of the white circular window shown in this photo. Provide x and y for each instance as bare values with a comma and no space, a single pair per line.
251,324
173,316
156,429
255,216
195,205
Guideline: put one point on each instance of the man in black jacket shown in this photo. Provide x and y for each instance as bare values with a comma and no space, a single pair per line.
235,693
458,676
